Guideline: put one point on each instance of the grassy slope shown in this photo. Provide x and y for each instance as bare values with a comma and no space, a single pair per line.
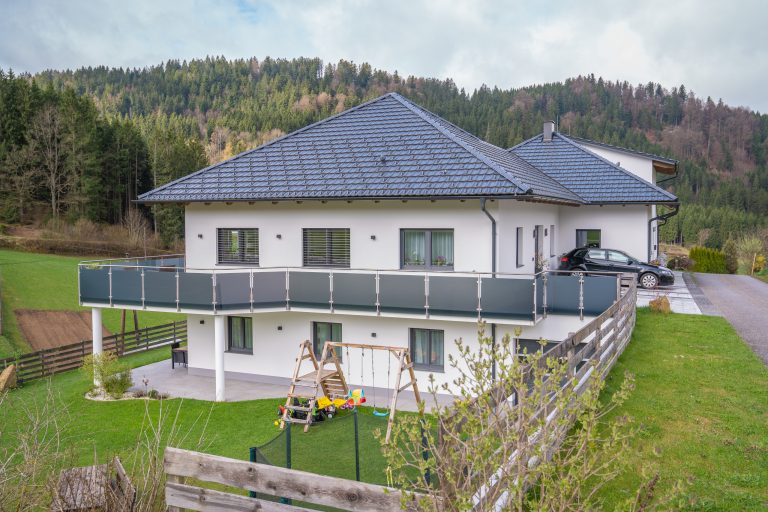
44,281
702,400
104,429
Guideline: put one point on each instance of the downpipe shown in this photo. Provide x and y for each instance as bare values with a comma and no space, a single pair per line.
663,218
493,274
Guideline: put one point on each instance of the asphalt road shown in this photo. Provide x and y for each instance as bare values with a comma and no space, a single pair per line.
743,301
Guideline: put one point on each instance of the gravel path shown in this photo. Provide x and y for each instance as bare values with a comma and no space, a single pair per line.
743,301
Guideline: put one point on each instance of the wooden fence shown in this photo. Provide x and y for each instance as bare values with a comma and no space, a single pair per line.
590,354
36,365
279,483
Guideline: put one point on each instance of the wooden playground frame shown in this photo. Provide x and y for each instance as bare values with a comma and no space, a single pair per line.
333,384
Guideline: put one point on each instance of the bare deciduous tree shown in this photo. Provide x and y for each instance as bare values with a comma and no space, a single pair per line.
22,175
46,142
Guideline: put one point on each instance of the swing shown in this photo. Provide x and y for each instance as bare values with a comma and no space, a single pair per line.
385,413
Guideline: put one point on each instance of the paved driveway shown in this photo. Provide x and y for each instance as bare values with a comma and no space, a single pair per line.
743,300
680,297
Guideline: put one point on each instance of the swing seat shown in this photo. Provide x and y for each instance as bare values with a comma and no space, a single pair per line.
381,414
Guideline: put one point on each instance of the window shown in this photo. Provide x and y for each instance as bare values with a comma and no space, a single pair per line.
427,349
519,256
326,247
596,254
587,238
238,245
618,257
240,334
322,332
427,248
552,240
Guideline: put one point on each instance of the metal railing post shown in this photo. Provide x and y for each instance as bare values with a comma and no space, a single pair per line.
178,301
534,298
213,290
110,287
426,294
544,292
581,296
479,298
287,290
330,289
378,297
143,295
250,296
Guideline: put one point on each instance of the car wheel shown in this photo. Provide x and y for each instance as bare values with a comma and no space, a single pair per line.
649,281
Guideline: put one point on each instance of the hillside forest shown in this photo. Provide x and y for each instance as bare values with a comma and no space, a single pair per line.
80,145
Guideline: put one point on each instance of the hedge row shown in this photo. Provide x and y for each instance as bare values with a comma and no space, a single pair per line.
708,260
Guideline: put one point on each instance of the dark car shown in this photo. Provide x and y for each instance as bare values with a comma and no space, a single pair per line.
611,260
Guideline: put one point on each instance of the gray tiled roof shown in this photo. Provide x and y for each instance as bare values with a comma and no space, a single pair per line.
386,148
593,178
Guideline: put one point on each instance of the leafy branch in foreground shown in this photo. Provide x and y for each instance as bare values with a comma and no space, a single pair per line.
537,437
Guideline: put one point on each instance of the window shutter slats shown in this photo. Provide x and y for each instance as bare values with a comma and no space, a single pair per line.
326,247
238,246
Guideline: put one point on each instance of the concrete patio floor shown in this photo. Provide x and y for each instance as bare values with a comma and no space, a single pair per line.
178,383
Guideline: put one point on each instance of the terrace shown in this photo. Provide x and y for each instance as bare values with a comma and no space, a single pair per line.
167,284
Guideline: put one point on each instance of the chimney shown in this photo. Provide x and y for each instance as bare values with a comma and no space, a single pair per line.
549,129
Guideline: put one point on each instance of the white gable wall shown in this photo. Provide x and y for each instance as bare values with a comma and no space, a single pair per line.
622,227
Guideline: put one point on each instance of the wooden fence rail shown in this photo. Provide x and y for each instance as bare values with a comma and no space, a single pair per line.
276,482
590,353
36,365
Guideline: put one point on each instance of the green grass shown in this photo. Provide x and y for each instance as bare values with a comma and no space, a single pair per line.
104,429
702,400
49,282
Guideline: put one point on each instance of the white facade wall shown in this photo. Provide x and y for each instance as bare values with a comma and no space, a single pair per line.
622,227
512,214
641,167
384,220
275,350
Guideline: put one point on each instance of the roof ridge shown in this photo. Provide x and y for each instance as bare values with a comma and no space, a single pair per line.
269,143
513,148
421,112
618,167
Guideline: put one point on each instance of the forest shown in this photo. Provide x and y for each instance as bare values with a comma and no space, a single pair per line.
82,144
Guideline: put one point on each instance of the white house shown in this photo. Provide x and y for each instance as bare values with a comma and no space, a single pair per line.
387,225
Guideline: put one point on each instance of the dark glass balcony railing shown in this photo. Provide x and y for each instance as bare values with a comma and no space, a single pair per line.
166,284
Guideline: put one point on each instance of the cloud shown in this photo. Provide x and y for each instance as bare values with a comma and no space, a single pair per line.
717,49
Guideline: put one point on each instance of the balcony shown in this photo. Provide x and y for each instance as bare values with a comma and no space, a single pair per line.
166,284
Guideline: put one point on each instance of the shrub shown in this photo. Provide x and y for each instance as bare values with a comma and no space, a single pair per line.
708,260
731,256
680,263
660,305
113,377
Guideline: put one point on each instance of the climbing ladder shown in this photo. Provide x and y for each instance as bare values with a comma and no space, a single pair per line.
330,380
333,384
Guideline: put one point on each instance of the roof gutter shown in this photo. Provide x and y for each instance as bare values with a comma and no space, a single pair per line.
674,175
663,218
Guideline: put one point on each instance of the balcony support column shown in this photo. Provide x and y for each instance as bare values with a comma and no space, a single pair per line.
219,342
96,333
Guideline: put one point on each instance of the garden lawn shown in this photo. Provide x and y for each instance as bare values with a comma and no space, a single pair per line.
701,399
49,282
101,430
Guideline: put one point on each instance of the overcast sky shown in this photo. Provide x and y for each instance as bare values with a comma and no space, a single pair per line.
717,49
